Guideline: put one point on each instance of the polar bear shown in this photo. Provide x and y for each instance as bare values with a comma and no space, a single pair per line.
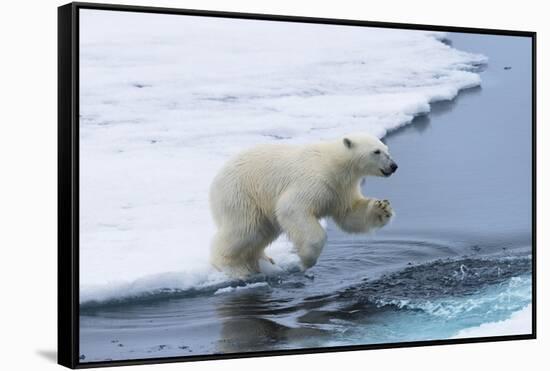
284,188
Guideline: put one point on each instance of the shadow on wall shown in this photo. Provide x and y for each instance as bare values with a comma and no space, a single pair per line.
49,355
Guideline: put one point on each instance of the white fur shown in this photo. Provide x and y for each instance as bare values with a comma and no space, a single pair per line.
277,188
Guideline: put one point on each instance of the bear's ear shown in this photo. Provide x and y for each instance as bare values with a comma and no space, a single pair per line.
348,143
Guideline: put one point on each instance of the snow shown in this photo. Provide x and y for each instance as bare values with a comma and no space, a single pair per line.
519,323
249,286
166,99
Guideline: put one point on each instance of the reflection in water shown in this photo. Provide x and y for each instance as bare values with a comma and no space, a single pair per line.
248,324
422,122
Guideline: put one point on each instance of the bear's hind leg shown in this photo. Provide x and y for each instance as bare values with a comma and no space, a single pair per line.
305,232
237,252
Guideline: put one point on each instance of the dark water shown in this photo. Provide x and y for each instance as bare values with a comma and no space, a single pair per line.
456,256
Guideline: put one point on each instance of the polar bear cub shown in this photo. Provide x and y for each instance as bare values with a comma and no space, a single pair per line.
277,188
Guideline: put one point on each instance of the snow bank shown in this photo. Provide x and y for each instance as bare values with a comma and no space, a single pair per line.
166,99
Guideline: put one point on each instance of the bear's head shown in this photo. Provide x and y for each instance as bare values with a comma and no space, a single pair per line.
368,155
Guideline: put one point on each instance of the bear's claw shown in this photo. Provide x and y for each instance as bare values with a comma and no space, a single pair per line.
385,210
269,259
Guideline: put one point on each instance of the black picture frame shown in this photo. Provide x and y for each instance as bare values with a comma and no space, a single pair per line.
68,181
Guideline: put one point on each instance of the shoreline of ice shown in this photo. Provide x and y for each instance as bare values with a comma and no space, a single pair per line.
163,105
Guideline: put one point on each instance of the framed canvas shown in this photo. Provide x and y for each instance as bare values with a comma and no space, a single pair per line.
239,185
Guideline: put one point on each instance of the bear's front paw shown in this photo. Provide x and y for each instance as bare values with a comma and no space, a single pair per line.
383,210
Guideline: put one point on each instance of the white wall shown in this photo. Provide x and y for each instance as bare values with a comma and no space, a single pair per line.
28,181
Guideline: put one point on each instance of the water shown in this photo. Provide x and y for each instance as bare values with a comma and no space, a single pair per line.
457,255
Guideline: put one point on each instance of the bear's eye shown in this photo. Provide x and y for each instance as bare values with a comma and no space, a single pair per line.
377,152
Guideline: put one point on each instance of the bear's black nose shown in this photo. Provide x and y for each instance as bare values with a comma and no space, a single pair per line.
393,167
